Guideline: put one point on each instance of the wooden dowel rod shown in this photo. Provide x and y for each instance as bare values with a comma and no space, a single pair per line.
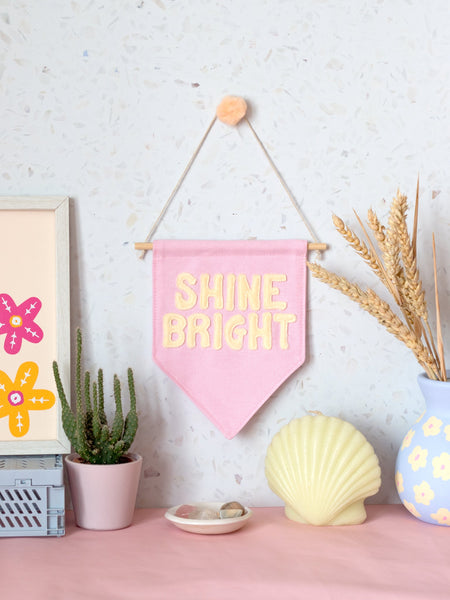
149,246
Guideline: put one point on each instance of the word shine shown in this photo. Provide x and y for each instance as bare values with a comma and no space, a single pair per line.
258,312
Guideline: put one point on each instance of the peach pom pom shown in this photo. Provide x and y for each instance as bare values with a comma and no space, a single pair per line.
231,110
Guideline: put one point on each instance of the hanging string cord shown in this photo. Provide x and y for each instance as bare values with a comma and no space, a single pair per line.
189,165
283,183
177,187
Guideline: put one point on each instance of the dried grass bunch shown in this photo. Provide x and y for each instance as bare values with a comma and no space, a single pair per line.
393,258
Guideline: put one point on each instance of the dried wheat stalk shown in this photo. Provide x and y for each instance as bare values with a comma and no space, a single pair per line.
359,246
395,264
440,341
412,291
378,229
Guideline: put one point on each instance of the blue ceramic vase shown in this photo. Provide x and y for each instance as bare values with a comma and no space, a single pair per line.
422,472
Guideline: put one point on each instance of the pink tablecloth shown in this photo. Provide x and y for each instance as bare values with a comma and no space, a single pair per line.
391,556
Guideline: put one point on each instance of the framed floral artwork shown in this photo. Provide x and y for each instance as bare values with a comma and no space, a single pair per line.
34,322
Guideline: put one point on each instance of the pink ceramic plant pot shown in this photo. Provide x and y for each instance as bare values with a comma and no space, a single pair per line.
104,496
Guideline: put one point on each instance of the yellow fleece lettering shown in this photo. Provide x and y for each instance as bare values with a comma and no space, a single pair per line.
234,334
189,299
173,324
269,290
249,295
264,332
198,324
215,292
284,319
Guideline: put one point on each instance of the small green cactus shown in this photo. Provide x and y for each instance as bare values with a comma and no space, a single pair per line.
87,428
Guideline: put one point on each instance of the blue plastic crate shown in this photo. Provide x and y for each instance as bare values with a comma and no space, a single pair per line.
31,496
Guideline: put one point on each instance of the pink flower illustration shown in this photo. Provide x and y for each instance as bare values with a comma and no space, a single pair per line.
17,322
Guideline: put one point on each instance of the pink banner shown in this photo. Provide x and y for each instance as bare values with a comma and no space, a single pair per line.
229,321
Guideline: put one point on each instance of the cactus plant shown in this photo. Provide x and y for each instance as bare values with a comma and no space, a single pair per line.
87,427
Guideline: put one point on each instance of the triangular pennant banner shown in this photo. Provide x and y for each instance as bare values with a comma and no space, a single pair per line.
229,321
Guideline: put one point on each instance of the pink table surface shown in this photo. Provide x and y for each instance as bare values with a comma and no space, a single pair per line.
391,556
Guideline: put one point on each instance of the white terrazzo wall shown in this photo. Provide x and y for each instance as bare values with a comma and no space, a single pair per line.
105,101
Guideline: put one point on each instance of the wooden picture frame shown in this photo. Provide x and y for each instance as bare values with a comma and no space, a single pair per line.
34,322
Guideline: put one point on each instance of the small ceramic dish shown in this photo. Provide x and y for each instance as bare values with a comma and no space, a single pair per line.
208,526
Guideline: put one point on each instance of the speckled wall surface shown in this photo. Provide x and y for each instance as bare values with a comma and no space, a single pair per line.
105,101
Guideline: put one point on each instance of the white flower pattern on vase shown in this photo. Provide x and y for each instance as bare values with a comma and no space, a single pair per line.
441,466
422,475
447,432
418,458
408,439
423,493
412,509
442,516
399,482
432,426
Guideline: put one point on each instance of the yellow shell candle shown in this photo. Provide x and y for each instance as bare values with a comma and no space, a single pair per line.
323,468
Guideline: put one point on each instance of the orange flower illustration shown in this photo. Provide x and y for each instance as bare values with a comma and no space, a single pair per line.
19,396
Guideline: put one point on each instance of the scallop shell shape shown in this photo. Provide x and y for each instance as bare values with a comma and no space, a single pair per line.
323,468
